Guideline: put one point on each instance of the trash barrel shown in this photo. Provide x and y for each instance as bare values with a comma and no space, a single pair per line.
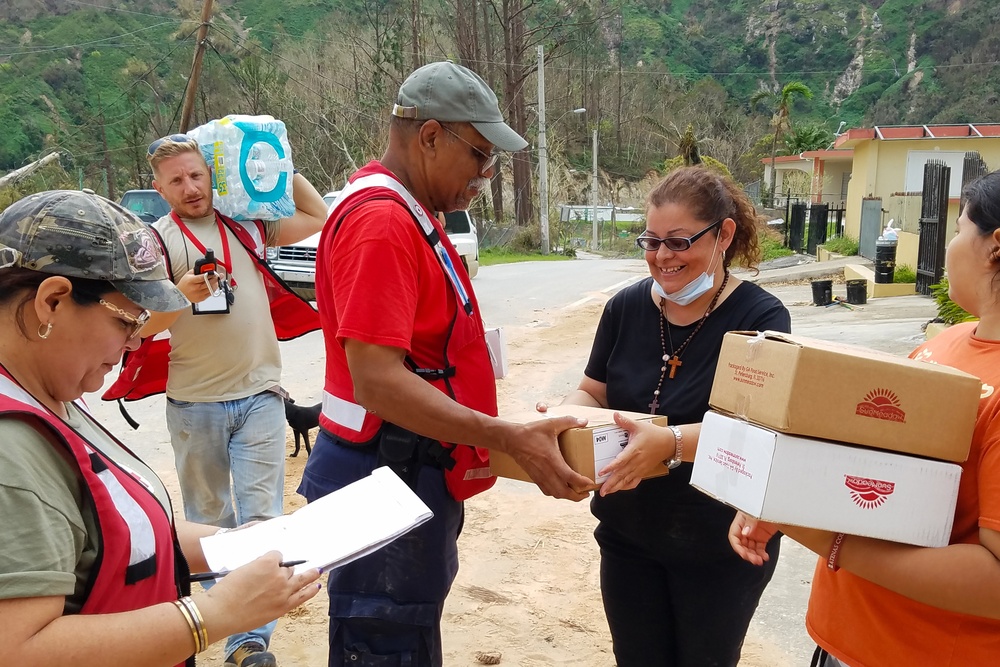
885,260
822,292
857,291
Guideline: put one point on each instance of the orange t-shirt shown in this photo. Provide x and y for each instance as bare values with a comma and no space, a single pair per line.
865,625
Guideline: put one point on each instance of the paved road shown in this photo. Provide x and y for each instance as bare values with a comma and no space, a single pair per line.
520,294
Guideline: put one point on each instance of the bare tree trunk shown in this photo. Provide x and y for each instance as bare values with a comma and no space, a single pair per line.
514,99
109,172
465,33
618,124
489,73
415,34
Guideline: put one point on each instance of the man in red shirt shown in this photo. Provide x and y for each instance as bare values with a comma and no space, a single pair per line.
408,377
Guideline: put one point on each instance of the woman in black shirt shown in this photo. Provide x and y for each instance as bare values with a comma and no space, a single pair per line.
674,592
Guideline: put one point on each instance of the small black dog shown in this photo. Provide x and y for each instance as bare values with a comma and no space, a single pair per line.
301,420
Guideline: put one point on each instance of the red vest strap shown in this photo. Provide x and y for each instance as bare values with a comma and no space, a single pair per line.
144,371
135,566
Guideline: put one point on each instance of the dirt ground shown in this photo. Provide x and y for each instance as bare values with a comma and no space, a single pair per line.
528,588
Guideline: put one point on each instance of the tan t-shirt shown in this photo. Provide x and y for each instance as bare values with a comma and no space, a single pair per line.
221,357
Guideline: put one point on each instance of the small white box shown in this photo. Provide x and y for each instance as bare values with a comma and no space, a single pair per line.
496,343
820,484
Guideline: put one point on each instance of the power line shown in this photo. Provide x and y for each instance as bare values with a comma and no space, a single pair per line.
323,96
119,10
138,79
651,72
75,46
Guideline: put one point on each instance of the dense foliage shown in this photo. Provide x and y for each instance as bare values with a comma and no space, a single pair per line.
98,80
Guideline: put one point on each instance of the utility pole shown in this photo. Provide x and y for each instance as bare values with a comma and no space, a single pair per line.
199,54
543,155
593,243
27,170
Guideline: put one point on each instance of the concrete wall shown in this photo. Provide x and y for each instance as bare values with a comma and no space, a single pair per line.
833,179
879,170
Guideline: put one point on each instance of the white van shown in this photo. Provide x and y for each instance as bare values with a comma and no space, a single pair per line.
462,232
296,264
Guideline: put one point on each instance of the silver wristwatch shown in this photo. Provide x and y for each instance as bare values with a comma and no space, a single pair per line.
678,449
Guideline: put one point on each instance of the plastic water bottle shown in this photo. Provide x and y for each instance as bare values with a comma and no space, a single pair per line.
251,165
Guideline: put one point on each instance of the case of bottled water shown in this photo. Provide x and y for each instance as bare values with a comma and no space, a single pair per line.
251,165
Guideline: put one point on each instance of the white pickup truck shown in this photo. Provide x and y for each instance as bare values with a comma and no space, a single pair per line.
296,264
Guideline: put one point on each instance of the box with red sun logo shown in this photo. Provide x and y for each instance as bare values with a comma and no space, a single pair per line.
832,391
805,482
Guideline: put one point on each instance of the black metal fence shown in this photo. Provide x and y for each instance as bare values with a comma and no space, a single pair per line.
933,225
808,225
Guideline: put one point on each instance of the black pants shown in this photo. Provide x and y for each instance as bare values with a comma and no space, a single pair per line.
678,602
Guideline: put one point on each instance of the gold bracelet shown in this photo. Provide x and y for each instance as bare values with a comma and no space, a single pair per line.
191,625
199,622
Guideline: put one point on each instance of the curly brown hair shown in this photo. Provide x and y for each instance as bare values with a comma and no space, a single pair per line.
711,196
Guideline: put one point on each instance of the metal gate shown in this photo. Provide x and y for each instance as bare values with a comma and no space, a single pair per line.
871,226
818,217
973,167
797,226
933,225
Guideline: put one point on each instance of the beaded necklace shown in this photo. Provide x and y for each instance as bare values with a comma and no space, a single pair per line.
672,361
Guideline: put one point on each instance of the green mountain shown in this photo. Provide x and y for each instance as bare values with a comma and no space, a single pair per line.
99,79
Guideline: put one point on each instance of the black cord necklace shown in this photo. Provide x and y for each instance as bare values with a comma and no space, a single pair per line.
672,360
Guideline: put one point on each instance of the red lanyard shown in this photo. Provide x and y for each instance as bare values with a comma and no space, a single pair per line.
226,264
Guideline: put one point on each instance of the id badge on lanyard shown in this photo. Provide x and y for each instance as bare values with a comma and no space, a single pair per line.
218,302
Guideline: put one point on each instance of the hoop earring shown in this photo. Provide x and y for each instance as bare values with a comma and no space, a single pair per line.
44,330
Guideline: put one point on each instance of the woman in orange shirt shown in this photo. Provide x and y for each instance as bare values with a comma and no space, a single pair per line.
876,603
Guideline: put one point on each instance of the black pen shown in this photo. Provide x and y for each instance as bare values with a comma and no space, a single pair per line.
209,576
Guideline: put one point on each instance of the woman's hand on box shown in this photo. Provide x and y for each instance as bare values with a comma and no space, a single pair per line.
648,446
749,537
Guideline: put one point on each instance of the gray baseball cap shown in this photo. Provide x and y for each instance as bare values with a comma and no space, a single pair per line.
451,93
83,235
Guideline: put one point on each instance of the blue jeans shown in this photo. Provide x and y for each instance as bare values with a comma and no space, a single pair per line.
230,451
385,608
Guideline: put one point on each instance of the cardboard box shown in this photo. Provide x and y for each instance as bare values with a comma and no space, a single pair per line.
803,482
586,449
830,391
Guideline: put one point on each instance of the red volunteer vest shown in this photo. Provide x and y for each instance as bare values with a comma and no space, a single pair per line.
135,565
472,383
144,371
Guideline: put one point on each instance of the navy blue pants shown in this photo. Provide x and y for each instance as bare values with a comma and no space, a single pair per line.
385,608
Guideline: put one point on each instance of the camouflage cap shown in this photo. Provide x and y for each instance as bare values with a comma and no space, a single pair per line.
83,235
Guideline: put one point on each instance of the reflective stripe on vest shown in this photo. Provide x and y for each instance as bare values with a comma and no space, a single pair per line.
108,493
142,542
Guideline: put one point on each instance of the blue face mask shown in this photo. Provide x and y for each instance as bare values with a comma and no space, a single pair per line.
690,292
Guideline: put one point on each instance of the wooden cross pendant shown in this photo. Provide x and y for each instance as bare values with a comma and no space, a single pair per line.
674,363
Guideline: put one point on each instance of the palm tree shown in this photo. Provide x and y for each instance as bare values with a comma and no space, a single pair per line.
809,137
780,121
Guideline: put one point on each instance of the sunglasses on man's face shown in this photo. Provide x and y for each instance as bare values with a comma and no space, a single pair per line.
673,243
173,139
486,160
